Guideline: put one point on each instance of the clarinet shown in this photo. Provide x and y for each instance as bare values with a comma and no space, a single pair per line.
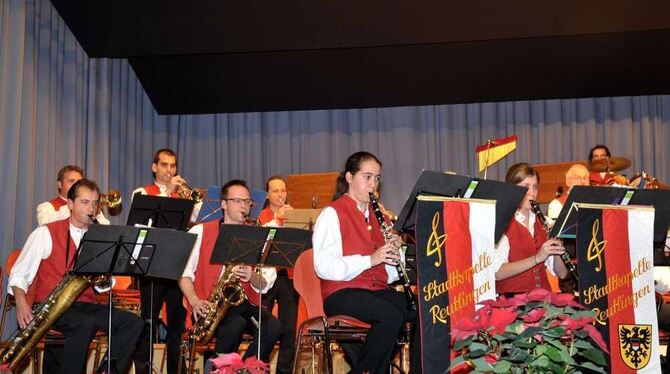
565,257
386,231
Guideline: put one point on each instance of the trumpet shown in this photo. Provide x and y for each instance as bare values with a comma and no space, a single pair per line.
188,192
111,199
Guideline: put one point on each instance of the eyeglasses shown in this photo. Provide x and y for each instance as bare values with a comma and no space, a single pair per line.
242,201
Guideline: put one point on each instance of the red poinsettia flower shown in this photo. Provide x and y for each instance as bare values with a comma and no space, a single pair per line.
466,327
500,318
595,335
534,315
575,323
564,299
539,294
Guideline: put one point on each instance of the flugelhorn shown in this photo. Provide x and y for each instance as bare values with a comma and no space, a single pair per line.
111,199
189,192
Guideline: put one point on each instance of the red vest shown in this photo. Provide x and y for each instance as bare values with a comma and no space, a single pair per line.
57,203
206,274
154,190
595,178
563,198
357,240
523,245
52,268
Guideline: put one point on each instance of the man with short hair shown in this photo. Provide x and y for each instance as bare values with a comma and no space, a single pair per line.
200,277
167,184
598,152
57,209
45,259
577,175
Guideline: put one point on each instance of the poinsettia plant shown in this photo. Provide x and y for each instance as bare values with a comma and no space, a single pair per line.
535,332
232,363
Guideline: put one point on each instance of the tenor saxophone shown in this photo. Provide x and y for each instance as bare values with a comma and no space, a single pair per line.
22,342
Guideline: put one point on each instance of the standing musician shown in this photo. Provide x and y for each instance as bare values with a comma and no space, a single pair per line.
356,267
57,209
200,277
599,152
524,251
45,259
283,291
167,184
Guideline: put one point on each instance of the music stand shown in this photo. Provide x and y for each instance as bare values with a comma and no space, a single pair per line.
507,196
126,250
566,223
159,211
260,246
301,218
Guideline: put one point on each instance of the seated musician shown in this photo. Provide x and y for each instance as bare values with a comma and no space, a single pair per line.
56,209
356,266
577,175
598,152
200,277
282,292
46,257
524,251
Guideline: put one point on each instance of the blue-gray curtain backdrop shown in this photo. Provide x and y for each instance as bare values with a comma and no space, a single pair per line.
57,106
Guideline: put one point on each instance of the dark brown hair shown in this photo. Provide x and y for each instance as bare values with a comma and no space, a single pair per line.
518,172
352,165
86,183
234,182
68,168
599,146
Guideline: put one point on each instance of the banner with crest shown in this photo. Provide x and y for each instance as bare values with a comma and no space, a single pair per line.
615,263
454,254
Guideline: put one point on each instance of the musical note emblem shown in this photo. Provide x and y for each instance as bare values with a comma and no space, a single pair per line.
435,241
596,248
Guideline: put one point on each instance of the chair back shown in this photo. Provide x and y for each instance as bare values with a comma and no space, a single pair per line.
11,260
308,284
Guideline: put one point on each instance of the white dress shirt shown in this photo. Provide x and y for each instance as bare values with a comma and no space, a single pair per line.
47,214
269,273
501,252
329,263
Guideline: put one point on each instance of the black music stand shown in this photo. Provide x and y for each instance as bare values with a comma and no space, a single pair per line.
159,211
566,223
126,250
507,196
260,246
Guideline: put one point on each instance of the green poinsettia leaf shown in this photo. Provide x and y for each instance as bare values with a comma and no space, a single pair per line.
594,367
476,353
456,362
540,349
502,366
555,342
463,343
524,344
518,355
556,368
475,346
582,344
565,356
594,355
583,314
580,334
540,362
481,365
556,332
530,332
553,354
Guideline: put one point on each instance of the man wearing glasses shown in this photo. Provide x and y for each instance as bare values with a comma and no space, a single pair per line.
200,277
577,175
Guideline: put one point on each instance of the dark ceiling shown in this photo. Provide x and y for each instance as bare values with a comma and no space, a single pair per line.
214,56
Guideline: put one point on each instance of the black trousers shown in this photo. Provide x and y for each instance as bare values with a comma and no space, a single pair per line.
79,325
238,321
287,300
168,291
386,311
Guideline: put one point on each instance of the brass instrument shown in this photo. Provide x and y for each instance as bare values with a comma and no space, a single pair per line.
565,257
22,342
188,192
111,199
400,267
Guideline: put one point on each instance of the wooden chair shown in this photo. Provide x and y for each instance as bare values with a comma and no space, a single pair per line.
319,329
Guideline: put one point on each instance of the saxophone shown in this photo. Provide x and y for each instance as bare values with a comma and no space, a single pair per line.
226,294
22,342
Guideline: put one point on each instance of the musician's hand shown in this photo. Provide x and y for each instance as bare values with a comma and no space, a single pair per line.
282,211
199,308
24,314
549,248
387,254
175,182
243,272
